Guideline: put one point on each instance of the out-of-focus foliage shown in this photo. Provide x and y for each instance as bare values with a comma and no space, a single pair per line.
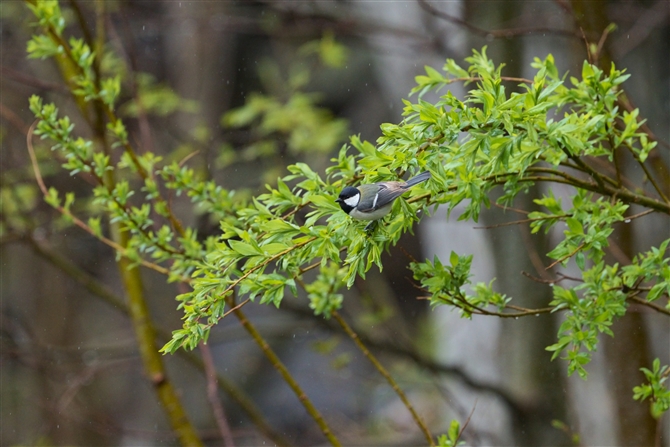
287,119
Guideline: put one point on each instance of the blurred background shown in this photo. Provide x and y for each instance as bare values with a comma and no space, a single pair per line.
245,88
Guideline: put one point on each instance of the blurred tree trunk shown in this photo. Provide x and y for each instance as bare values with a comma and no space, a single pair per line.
199,52
626,353
530,375
629,349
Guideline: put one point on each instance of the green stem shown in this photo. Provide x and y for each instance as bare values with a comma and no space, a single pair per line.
146,339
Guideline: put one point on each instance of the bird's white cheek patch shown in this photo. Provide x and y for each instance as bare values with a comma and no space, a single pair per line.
353,201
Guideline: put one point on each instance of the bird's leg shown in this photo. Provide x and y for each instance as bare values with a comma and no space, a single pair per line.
371,226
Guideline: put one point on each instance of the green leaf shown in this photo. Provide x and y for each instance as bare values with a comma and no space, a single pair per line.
574,225
243,248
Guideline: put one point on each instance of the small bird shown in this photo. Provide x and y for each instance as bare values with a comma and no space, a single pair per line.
374,201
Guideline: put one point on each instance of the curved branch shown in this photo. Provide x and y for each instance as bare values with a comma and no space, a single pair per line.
649,304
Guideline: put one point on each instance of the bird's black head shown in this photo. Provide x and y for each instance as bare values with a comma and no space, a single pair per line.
349,198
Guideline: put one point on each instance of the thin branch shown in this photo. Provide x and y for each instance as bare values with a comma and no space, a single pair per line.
522,221
645,24
32,81
601,42
550,281
569,278
589,56
533,253
83,378
352,334
502,33
476,310
631,297
516,210
638,215
467,422
213,396
522,311
239,306
13,118
557,216
649,304
502,78
183,161
246,274
286,375
600,179
568,256
651,178
565,6
301,271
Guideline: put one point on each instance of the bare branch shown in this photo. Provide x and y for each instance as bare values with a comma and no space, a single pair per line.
213,396
25,79
646,23
286,375
403,397
496,34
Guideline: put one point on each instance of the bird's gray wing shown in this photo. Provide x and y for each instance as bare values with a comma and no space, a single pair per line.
386,193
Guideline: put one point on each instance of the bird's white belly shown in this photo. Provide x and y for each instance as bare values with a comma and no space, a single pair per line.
373,215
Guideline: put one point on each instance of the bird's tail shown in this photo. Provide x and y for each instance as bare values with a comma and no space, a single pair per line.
418,179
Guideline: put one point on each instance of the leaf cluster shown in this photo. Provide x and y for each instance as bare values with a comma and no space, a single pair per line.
655,389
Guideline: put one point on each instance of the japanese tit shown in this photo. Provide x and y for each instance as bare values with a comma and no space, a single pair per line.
374,201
